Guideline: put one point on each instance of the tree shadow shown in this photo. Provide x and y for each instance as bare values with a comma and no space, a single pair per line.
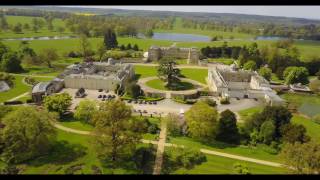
62,152
136,77
141,162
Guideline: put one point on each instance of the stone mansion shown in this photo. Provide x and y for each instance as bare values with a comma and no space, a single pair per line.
191,54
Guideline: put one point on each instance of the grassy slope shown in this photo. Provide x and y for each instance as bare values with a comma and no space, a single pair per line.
313,128
18,89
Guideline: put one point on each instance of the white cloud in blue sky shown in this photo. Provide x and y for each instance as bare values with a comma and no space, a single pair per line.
312,12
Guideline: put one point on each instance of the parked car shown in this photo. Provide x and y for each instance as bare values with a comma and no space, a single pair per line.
145,111
104,96
154,102
100,90
136,102
113,96
150,102
145,102
100,96
129,101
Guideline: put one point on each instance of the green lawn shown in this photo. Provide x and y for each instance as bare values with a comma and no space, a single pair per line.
313,128
177,28
159,84
258,152
18,89
73,149
249,112
194,74
199,75
222,165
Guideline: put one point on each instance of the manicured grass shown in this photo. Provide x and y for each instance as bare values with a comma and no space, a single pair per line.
313,128
145,71
194,74
73,149
222,165
159,84
18,89
199,75
73,124
258,152
249,112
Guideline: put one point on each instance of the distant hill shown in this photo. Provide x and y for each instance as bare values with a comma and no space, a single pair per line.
225,17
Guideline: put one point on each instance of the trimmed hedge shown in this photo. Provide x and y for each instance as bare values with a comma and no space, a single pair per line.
12,102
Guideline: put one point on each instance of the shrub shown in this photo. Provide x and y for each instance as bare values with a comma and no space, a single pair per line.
29,101
12,102
153,129
189,158
73,54
31,81
224,101
210,102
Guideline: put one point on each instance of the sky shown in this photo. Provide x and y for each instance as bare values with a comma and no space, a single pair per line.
310,12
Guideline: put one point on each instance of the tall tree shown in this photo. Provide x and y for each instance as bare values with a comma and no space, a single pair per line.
11,62
304,158
58,102
115,139
227,130
201,120
48,55
110,39
168,72
85,47
85,111
101,51
295,74
265,72
28,133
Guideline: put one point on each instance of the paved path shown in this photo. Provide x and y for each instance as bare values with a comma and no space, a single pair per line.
18,97
242,158
161,143
30,75
206,151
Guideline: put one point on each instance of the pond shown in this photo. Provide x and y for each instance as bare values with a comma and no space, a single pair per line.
179,37
39,38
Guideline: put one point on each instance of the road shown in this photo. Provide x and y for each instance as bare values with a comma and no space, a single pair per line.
161,143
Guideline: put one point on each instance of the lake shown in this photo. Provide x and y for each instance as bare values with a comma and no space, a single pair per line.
179,37
39,38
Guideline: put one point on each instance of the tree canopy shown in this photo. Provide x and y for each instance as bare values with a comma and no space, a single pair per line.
28,133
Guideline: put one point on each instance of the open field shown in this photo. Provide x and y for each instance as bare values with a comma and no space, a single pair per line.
177,28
